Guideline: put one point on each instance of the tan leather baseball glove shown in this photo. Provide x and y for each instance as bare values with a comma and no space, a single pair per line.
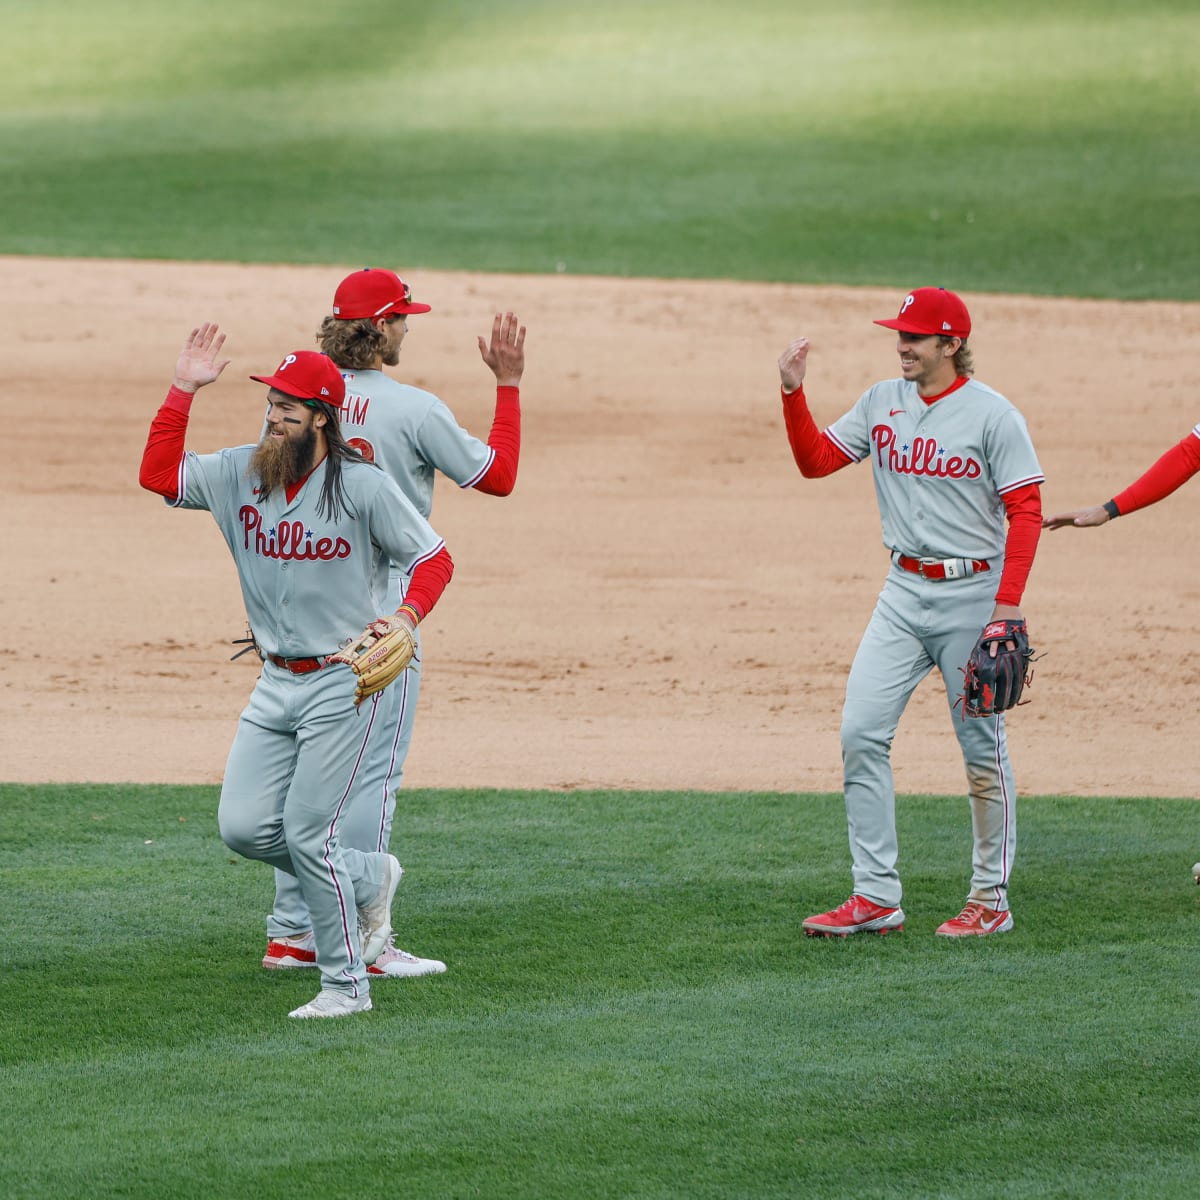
378,655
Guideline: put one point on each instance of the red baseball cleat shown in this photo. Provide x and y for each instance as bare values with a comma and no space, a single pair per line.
976,920
857,915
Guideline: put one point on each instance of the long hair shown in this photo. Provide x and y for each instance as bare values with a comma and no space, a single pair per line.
964,360
333,502
351,344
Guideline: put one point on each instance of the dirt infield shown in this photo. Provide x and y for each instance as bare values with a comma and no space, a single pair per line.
662,603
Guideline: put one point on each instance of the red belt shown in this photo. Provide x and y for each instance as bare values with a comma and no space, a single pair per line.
300,666
941,568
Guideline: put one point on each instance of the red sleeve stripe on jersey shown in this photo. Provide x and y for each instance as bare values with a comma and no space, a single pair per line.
1028,481
422,558
487,466
841,448
180,486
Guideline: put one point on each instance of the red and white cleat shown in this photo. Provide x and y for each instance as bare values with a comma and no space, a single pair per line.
976,920
290,952
856,915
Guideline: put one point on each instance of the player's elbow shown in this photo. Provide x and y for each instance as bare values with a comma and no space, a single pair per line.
154,482
496,484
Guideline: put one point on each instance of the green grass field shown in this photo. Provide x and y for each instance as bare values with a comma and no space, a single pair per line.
1019,147
630,1008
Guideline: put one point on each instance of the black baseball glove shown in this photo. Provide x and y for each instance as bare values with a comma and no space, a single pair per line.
998,669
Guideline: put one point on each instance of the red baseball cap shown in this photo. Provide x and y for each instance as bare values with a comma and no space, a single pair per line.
931,310
307,375
374,292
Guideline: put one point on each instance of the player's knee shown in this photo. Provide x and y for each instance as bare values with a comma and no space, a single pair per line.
862,732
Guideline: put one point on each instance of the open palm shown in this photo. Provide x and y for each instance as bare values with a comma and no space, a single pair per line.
198,364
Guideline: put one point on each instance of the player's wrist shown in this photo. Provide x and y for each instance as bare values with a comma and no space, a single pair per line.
410,612
1110,507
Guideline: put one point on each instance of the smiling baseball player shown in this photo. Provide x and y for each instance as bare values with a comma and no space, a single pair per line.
952,462
412,435
312,528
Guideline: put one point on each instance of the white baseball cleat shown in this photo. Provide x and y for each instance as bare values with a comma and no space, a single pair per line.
1196,873
375,918
399,964
332,1004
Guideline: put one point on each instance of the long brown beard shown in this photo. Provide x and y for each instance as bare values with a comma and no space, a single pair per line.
280,464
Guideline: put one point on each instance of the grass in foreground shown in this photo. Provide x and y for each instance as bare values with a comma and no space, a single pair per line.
1021,147
630,1009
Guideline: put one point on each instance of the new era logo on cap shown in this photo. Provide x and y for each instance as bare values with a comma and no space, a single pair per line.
374,292
931,310
307,375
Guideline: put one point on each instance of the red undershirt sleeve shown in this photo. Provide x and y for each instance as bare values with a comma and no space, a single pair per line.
429,579
1024,508
165,445
814,453
505,439
1171,471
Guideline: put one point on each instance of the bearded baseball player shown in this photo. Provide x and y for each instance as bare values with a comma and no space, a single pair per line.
1170,472
312,528
411,435
952,462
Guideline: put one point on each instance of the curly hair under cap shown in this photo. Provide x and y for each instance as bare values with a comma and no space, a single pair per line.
354,345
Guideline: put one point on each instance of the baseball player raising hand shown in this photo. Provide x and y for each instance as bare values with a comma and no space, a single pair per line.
952,462
309,524
411,435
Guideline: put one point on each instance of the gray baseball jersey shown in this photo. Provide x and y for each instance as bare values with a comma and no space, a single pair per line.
940,470
411,434
308,583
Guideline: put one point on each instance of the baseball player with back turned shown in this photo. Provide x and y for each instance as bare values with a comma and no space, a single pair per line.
412,435
951,460
312,528
1171,471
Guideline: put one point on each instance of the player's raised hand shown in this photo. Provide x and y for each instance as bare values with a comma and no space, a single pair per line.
505,353
1081,518
793,362
198,363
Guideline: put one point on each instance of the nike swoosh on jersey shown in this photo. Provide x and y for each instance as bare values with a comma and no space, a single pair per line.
894,411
